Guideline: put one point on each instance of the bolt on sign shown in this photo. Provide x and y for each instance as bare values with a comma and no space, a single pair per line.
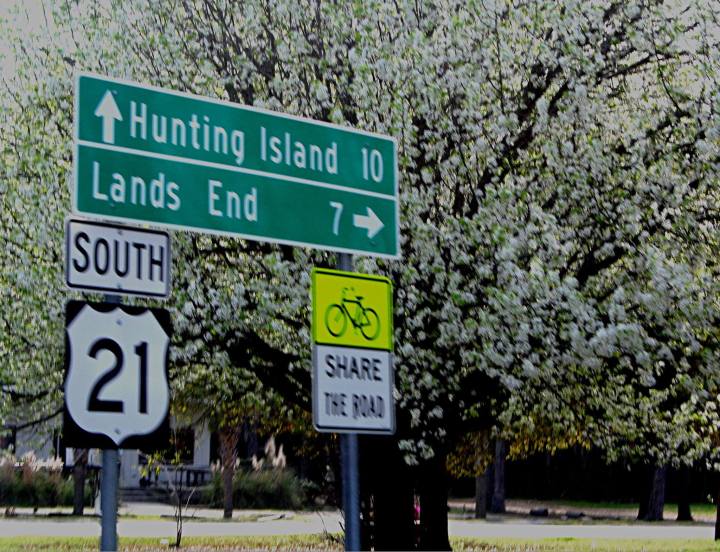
194,163
352,352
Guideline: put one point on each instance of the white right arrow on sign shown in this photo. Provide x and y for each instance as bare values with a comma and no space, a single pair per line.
370,222
109,111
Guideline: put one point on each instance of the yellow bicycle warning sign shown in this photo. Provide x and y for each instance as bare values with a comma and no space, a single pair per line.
351,309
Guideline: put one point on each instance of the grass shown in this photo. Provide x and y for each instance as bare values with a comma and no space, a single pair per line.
581,545
321,543
189,544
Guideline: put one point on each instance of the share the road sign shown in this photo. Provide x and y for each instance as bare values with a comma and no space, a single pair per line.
352,352
352,390
193,163
351,309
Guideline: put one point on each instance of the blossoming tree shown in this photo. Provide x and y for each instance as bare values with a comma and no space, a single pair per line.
559,208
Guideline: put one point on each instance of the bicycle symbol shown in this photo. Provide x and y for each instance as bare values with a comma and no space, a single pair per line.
364,319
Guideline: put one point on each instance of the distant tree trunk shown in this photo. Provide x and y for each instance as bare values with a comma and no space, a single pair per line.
481,488
434,506
490,475
656,502
497,505
250,436
80,459
229,438
684,513
303,467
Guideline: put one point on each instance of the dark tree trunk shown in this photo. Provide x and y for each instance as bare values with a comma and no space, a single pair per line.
80,459
549,482
646,479
497,506
434,507
393,514
490,475
656,502
229,437
386,496
228,474
481,488
684,513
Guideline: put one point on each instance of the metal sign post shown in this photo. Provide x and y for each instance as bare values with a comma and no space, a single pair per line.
108,500
352,335
109,487
349,464
116,388
350,489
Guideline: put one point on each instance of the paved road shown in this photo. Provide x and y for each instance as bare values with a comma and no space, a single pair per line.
287,523
148,528
542,530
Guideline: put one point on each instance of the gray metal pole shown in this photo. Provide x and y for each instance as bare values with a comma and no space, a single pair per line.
108,500
351,491
349,464
109,487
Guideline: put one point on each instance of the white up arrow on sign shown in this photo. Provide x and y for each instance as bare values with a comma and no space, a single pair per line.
108,110
371,222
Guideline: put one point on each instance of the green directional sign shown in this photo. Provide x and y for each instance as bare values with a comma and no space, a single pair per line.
193,163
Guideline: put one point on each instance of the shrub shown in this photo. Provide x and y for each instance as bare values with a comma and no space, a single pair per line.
36,484
273,488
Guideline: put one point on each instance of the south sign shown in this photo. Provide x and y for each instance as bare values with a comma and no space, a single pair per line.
117,259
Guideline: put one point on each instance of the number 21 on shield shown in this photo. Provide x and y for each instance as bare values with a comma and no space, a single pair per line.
116,369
